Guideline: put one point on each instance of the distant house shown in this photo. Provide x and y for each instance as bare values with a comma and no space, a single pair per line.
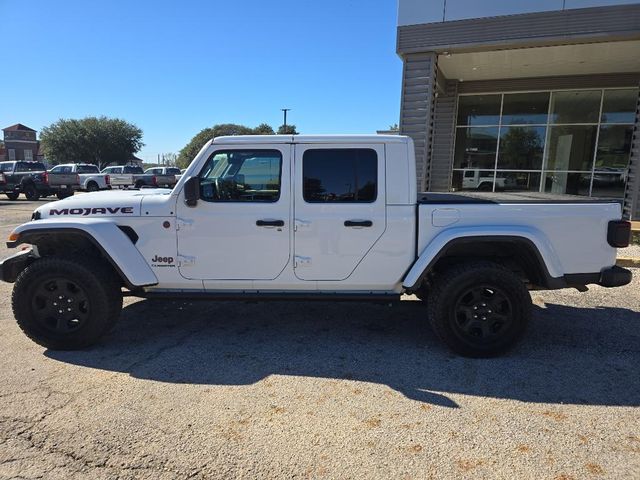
20,143
3,153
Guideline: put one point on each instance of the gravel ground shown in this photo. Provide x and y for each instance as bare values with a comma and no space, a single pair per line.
323,390
632,251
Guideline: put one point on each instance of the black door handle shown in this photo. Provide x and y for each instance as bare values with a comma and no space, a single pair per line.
270,223
358,223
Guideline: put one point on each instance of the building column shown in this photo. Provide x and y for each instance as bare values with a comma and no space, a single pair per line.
632,192
416,110
444,134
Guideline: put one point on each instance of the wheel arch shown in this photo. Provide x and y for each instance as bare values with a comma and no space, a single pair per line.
115,244
522,249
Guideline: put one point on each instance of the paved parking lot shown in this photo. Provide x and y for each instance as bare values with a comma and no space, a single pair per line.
323,390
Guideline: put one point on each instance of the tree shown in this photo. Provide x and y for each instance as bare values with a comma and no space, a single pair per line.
191,149
263,129
169,159
394,128
287,130
98,140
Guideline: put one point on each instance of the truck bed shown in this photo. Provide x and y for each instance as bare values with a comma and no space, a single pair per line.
434,198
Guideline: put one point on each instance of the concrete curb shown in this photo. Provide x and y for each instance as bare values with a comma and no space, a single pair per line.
628,262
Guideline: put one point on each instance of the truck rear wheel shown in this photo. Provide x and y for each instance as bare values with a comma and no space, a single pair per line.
63,304
12,195
92,187
479,309
31,192
62,194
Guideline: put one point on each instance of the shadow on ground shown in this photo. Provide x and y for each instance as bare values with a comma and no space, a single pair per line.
570,355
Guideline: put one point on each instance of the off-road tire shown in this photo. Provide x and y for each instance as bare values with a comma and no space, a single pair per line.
100,295
31,192
12,195
460,292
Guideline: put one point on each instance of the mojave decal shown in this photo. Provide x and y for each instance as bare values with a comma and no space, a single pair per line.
92,211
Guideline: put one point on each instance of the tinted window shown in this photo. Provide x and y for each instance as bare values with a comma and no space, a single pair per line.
525,108
521,148
241,176
61,169
619,106
6,167
30,167
340,175
173,171
87,169
476,147
479,110
132,169
580,106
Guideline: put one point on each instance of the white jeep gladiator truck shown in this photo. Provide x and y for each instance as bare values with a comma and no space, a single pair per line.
309,218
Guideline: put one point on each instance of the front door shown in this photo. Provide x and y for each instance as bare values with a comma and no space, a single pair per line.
339,211
239,229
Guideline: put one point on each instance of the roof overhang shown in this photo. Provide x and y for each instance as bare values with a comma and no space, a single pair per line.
559,60
565,27
585,41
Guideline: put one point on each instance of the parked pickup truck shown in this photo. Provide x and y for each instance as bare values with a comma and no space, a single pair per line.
163,176
125,176
90,177
32,179
310,218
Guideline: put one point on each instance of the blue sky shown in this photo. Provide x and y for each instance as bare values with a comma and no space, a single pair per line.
173,68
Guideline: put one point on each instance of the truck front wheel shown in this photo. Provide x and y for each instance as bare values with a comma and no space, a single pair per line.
479,309
63,304
12,195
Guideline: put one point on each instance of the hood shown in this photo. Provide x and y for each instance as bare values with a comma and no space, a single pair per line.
108,203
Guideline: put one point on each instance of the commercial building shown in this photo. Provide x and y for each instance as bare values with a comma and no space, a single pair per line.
545,101
20,143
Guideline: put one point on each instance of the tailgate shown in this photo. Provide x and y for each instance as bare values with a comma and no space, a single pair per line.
121,179
58,179
165,179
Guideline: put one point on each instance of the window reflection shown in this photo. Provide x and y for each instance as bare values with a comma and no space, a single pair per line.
521,148
476,147
340,175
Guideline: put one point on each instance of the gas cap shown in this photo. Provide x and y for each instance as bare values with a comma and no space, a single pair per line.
443,217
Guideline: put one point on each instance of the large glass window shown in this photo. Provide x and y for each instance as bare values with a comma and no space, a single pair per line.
575,142
476,147
479,110
242,176
340,175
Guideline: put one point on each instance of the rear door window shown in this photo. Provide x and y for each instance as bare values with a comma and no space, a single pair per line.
340,175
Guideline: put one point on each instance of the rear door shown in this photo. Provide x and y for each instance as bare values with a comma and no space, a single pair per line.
339,208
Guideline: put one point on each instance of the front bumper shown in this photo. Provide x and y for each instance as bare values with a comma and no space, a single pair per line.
11,266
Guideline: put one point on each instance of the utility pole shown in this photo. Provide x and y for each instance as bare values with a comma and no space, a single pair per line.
444,10
284,111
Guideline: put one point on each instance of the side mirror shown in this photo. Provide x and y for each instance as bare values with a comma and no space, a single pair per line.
192,191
